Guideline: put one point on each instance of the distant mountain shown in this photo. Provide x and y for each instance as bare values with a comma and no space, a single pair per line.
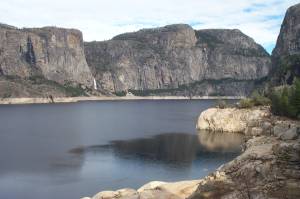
171,60
177,60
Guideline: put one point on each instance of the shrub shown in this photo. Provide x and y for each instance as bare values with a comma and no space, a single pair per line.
74,90
260,100
120,93
222,104
295,100
289,67
256,99
286,100
245,103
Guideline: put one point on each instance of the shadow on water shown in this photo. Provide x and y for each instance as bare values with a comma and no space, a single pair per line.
170,148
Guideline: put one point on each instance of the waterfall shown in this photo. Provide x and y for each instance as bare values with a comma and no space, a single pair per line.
95,84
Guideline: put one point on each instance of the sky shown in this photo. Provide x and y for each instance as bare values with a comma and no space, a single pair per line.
103,19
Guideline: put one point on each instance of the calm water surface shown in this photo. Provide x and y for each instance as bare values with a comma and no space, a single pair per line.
73,150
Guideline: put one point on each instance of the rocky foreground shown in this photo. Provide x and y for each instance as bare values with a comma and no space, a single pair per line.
268,168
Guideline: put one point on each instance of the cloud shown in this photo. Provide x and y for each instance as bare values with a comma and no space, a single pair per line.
103,19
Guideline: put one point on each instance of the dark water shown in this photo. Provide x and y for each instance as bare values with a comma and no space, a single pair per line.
74,150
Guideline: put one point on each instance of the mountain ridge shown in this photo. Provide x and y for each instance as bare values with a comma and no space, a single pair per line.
168,57
169,60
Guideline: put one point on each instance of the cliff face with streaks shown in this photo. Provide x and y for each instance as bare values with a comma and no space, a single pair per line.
52,54
178,60
171,60
286,55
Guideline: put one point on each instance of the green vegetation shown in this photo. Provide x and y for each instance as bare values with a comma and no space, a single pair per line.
74,90
222,104
259,99
148,92
286,100
70,89
120,93
11,77
190,88
42,80
245,103
289,65
256,99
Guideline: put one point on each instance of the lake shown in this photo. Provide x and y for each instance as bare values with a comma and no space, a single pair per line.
78,149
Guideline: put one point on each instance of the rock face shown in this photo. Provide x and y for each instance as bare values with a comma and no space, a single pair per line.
288,42
286,55
52,53
267,169
232,120
178,60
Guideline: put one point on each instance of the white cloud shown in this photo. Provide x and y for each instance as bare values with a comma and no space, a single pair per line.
103,19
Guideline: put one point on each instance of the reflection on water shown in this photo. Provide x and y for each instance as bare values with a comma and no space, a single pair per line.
218,141
170,148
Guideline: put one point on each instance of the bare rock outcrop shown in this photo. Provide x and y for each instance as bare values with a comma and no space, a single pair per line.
232,120
288,42
286,55
269,166
55,54
157,190
178,60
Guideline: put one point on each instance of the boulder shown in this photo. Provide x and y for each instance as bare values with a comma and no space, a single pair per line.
286,130
155,189
120,194
290,134
255,131
281,127
150,185
230,119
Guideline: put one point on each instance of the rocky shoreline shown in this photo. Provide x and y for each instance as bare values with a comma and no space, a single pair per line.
105,98
269,166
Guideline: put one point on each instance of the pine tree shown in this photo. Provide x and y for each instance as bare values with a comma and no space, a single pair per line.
295,99
284,102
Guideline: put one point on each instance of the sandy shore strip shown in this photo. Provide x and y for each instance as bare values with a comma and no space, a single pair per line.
105,98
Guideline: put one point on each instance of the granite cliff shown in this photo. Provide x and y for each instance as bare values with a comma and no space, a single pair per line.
177,60
172,60
34,61
286,55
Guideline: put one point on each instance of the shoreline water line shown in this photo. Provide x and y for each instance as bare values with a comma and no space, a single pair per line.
6,101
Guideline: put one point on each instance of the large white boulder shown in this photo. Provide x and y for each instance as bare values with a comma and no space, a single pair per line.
230,119
155,189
